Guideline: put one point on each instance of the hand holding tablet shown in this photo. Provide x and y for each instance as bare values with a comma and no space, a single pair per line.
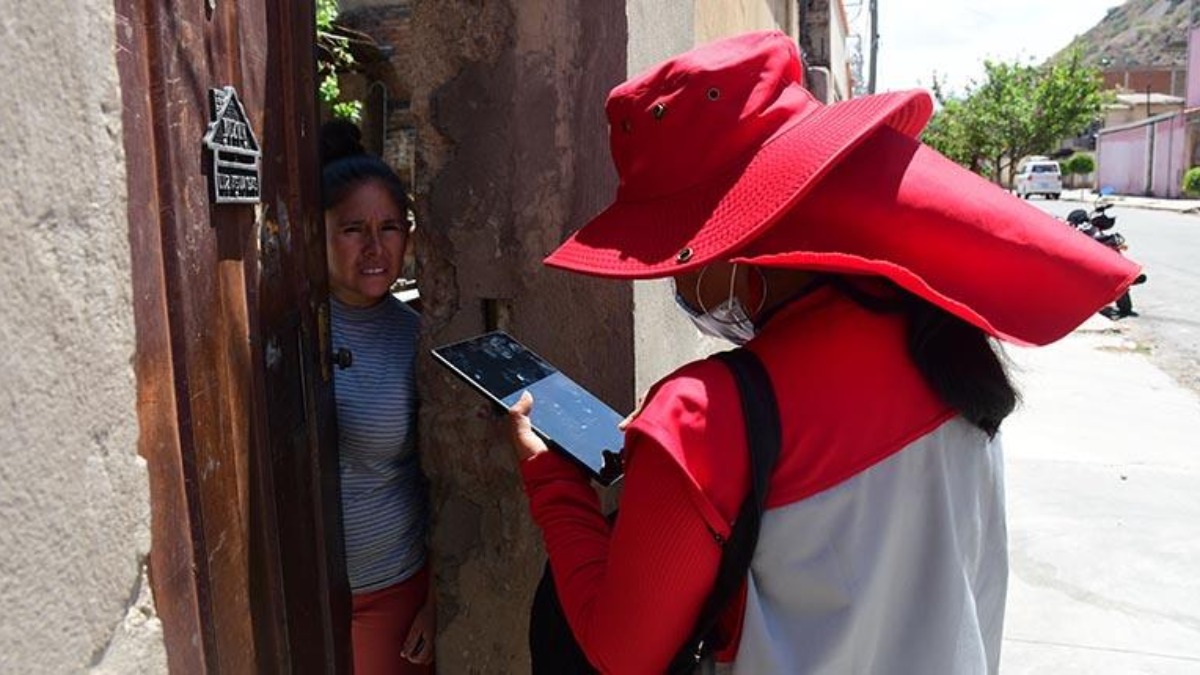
569,418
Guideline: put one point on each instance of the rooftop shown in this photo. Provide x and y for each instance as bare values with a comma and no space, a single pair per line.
1131,100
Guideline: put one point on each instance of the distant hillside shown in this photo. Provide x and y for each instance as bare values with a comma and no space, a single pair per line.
1139,33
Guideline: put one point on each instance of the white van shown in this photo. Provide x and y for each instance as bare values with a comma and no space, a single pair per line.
1039,176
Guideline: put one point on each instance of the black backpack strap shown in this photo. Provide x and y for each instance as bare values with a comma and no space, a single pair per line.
763,435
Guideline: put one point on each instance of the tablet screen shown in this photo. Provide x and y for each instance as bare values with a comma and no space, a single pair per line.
564,413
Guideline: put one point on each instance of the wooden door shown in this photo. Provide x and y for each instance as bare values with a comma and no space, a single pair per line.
235,393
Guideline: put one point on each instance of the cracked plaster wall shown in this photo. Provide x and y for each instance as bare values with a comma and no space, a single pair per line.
74,504
512,155
507,101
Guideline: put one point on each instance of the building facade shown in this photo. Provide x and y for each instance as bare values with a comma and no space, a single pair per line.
1169,80
169,496
75,510
504,106
1150,154
1130,108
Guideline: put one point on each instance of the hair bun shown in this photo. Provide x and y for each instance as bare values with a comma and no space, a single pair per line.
340,139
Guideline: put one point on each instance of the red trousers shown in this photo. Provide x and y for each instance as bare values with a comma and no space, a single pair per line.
379,625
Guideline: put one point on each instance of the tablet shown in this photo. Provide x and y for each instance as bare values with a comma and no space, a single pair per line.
568,417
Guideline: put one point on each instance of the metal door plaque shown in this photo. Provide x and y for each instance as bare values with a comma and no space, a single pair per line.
236,175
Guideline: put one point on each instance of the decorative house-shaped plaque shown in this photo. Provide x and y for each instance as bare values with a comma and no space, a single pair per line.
236,176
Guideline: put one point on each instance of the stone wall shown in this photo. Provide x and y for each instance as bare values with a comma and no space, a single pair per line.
507,108
74,505
506,103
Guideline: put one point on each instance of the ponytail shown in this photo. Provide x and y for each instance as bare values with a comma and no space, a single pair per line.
345,165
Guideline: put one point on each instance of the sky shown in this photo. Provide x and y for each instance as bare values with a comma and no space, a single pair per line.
953,37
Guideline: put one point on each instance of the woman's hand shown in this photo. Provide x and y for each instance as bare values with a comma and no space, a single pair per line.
418,646
525,442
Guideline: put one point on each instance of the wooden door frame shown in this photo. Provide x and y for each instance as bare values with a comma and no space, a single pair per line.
235,400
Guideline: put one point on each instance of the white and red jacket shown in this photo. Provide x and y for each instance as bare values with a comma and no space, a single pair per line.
883,547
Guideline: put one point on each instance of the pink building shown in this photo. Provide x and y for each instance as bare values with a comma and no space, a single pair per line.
1149,157
1193,73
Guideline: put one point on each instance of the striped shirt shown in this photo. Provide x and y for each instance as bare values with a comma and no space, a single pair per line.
384,501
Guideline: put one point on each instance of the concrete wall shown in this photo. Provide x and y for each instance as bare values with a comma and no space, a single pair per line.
1192,157
507,103
1160,80
839,29
1192,94
507,99
74,505
663,338
814,31
822,29
1170,157
1145,159
720,18
1122,114
1121,158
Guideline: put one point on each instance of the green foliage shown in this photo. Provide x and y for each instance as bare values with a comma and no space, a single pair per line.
1191,182
327,11
1080,164
1016,110
351,110
959,130
333,57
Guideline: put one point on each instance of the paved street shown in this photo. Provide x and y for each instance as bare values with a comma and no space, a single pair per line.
1168,247
1103,478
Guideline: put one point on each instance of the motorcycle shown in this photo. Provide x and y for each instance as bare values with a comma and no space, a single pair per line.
1098,225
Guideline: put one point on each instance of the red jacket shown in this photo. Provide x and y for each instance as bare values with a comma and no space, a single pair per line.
849,399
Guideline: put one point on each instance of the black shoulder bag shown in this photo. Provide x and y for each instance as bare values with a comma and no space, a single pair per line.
553,648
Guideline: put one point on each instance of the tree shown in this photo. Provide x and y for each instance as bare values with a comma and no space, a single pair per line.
1016,110
333,56
959,131
1079,164
1191,182
1069,98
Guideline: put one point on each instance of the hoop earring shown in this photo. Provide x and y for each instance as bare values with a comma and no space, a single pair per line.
732,283
699,297
762,301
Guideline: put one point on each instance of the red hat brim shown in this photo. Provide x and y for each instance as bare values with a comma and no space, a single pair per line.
898,209
669,235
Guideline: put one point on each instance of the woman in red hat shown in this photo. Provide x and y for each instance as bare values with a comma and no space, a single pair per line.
867,274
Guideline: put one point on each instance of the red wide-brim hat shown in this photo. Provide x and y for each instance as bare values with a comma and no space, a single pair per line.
723,155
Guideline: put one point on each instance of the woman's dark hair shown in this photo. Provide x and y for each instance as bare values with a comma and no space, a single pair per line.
956,358
345,165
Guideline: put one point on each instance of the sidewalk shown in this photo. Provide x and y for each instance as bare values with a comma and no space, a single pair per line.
1154,203
1103,481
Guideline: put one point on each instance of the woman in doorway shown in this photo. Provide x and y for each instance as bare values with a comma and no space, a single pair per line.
384,498
866,274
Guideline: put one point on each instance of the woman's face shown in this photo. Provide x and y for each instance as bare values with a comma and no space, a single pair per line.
365,235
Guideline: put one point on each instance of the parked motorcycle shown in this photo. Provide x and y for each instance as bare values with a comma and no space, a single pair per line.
1098,225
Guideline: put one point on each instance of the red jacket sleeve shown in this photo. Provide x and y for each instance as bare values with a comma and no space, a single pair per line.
632,595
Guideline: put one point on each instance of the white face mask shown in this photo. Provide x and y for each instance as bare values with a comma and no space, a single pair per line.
727,321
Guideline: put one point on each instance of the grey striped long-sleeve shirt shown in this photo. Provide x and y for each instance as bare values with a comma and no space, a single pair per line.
384,498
